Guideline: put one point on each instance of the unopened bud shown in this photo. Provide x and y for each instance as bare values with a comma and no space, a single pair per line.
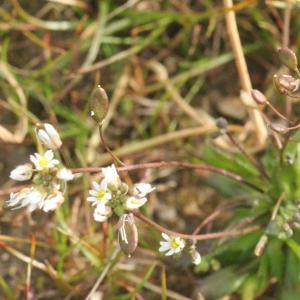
195,255
260,246
259,97
48,135
127,234
288,58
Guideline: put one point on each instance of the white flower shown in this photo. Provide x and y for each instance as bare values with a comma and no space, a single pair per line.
21,173
65,174
49,136
30,197
99,193
45,161
53,201
102,212
142,189
135,202
171,245
111,175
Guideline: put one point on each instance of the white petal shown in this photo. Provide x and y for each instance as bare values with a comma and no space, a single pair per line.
22,172
64,174
134,202
43,136
99,218
49,154
165,236
164,248
53,201
142,189
171,252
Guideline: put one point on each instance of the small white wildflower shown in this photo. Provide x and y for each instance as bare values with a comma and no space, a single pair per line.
22,172
45,161
49,136
135,202
102,212
111,175
171,245
53,201
31,198
142,189
99,193
65,174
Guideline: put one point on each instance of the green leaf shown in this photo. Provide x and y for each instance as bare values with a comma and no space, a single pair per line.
276,257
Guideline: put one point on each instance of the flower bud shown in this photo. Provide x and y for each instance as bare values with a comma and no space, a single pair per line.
53,201
48,135
65,174
195,255
127,234
259,97
288,58
22,172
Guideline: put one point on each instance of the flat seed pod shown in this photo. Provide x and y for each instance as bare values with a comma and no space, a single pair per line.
288,58
99,104
127,234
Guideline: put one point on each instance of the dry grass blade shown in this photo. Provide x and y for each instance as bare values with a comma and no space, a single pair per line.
156,289
242,68
22,126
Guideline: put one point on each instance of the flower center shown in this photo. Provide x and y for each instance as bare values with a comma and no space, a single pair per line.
43,162
174,244
136,201
100,194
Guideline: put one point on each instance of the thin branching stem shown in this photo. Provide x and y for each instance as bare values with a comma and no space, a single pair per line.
179,164
193,237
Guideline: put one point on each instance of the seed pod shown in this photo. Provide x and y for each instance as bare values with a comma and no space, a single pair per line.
278,128
288,58
127,234
260,246
99,104
286,84
259,97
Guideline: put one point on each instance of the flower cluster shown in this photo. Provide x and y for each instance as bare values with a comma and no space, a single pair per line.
113,195
48,176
